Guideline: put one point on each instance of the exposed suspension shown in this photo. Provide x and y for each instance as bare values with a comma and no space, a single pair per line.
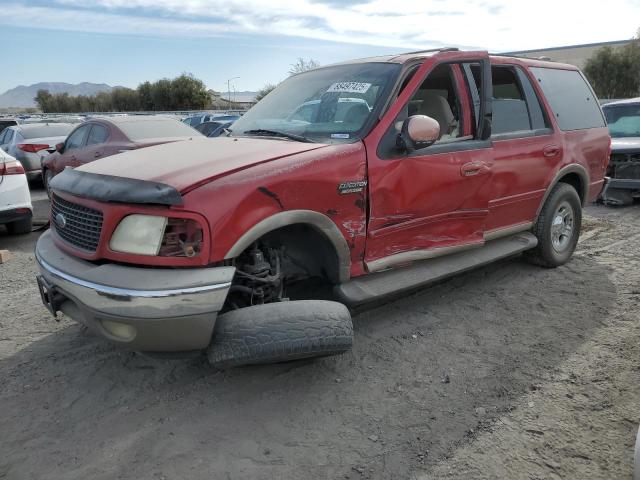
258,277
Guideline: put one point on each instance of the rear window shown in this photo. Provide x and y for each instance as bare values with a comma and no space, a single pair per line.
6,123
144,129
574,104
51,130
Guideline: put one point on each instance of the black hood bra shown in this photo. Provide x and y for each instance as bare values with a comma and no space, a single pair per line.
110,188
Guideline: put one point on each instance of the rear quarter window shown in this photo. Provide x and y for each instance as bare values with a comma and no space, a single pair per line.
572,100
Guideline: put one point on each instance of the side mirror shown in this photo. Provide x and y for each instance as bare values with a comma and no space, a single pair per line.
59,147
418,131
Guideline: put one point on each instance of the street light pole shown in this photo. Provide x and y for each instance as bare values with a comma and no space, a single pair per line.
229,91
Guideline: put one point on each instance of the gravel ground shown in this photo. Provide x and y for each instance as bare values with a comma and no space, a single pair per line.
509,371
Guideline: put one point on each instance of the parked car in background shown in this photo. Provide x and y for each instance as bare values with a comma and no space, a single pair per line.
15,200
7,122
456,160
106,136
623,118
29,143
213,129
195,120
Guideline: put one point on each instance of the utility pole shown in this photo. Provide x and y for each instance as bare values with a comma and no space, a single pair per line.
229,91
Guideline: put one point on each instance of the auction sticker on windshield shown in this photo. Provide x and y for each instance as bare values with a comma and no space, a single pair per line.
349,87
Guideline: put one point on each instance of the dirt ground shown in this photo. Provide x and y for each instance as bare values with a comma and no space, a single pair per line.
510,371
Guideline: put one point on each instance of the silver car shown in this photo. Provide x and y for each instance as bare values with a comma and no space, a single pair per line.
30,143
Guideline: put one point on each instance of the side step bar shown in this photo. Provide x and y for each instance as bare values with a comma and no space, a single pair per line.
376,285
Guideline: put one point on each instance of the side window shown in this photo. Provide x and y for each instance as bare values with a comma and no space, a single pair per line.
437,98
574,104
2,136
9,137
537,116
516,107
510,113
76,139
98,134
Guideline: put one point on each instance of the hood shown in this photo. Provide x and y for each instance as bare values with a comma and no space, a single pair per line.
196,161
625,145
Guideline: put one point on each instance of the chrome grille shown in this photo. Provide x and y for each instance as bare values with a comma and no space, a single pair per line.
82,225
625,157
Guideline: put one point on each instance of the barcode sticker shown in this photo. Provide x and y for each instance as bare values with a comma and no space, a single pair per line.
349,87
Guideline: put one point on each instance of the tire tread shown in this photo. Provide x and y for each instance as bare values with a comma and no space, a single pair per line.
280,332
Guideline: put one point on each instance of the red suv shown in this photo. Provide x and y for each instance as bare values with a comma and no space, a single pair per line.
444,160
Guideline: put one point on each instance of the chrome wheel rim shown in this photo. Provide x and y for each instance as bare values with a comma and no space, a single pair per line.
562,227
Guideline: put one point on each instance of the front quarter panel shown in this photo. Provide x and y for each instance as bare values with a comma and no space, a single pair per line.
307,181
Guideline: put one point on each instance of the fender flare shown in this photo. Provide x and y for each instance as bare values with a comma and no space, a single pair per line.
319,222
572,168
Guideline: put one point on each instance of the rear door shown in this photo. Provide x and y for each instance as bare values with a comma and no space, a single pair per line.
7,138
434,200
525,149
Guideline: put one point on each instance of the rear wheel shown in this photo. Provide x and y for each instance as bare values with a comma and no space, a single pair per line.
557,228
20,227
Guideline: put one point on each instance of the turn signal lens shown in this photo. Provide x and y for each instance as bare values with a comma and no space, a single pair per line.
182,238
33,147
12,167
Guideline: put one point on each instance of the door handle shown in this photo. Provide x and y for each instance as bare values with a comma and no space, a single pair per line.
72,158
474,168
97,154
551,151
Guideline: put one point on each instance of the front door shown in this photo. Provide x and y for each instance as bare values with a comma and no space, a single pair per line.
75,141
435,200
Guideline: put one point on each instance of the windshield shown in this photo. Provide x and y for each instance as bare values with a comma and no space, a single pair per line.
623,120
328,105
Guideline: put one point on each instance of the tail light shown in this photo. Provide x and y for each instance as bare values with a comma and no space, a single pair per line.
33,147
12,167
182,238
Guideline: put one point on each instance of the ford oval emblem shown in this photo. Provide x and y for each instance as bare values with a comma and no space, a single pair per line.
61,222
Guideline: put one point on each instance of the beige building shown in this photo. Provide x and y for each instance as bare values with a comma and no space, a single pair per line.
575,54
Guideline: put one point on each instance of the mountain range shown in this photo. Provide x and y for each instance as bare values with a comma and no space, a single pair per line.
22,96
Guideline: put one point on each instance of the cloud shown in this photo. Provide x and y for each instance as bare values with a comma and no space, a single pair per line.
497,25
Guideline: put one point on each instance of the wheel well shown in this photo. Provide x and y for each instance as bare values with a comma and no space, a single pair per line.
306,249
576,182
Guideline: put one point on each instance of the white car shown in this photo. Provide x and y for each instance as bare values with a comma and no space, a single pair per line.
15,200
30,143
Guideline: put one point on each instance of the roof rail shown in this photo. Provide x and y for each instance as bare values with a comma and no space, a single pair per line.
444,49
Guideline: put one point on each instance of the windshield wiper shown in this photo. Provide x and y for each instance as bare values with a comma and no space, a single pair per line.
276,133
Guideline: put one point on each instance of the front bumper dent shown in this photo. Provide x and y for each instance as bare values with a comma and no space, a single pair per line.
147,309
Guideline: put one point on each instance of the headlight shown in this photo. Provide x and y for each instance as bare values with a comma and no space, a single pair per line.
139,234
157,236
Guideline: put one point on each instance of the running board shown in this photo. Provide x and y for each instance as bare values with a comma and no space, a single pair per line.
376,285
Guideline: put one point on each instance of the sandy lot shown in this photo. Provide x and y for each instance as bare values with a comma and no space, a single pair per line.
510,371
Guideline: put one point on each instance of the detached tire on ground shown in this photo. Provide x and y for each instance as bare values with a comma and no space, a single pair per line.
557,227
280,332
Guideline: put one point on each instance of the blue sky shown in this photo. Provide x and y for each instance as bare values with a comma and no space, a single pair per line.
125,42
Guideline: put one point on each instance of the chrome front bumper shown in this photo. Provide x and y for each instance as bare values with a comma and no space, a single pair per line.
148,309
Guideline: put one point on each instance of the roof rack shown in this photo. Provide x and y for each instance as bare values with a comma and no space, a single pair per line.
444,49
